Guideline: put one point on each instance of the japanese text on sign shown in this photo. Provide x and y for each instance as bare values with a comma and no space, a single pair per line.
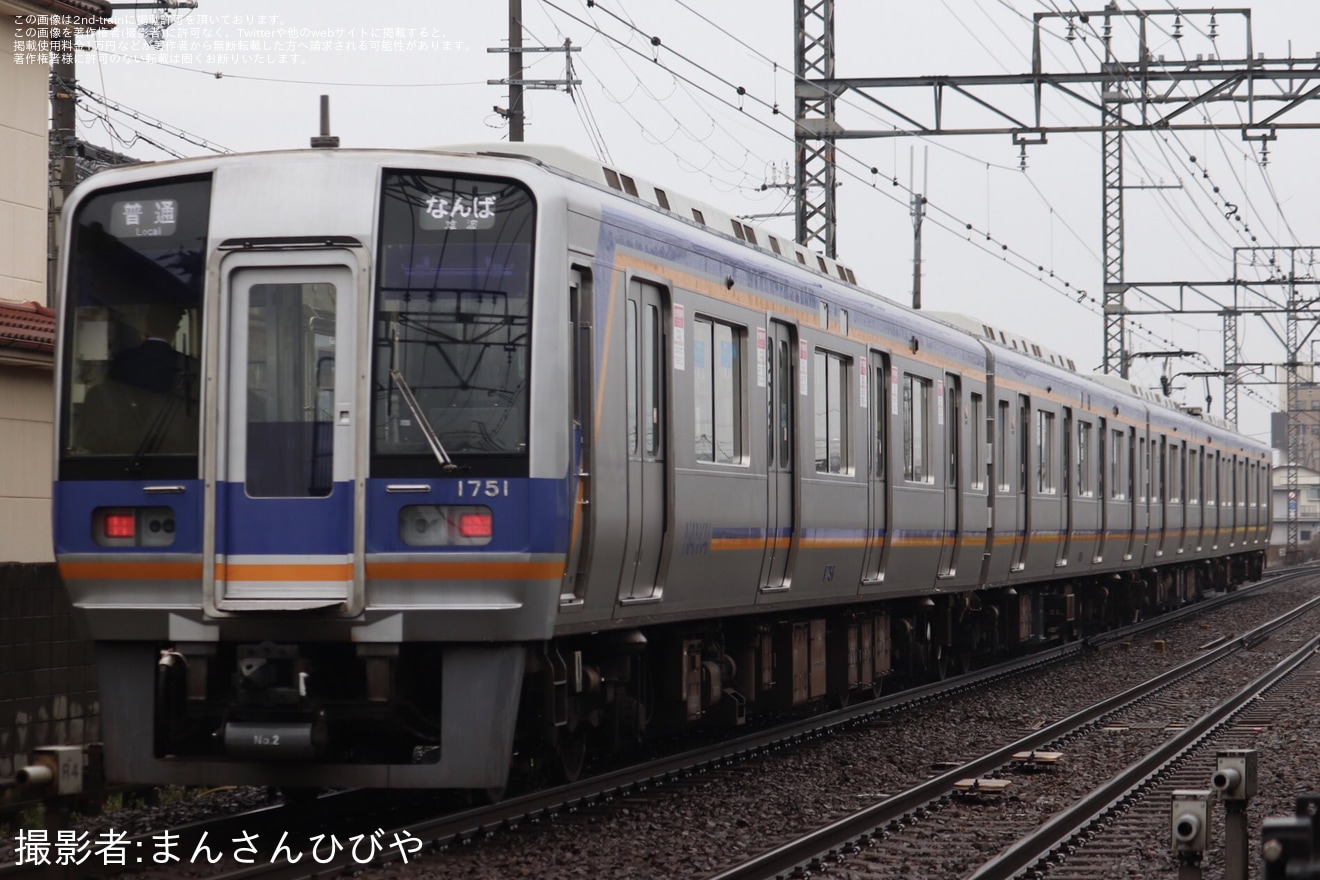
38,846
458,211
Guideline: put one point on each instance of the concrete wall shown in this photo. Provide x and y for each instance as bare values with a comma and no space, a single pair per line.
25,465
24,113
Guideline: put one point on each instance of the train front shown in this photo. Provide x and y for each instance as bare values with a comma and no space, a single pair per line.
299,501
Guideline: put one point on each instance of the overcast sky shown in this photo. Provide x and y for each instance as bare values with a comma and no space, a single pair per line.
411,73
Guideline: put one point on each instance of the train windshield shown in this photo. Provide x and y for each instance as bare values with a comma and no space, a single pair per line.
453,309
132,326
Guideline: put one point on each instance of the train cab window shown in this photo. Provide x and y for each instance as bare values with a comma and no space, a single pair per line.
916,429
453,313
717,376
132,331
833,451
1045,483
976,441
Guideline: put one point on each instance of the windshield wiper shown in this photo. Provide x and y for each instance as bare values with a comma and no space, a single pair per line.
441,456
156,431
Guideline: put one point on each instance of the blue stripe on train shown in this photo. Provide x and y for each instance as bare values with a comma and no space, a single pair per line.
529,515
284,526
74,502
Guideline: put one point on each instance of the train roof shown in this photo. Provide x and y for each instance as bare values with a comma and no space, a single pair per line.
564,160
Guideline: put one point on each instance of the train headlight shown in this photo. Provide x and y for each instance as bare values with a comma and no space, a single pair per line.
435,525
133,526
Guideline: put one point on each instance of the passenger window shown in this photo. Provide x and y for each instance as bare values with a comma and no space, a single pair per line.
916,429
833,455
717,393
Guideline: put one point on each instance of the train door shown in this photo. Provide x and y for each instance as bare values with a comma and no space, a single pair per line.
1023,483
1133,488
572,594
1238,476
781,367
1196,496
1065,545
1160,498
950,412
1102,488
648,488
286,534
878,414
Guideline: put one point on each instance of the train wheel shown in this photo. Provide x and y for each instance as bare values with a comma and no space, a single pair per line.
939,663
570,753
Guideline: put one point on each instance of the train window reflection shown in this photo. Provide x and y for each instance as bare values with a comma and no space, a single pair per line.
132,357
916,429
453,313
833,453
290,390
717,391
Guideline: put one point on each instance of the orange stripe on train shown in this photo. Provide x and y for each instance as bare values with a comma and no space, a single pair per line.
230,572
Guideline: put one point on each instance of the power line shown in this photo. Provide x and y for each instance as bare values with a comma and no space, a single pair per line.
173,130
220,74
1024,265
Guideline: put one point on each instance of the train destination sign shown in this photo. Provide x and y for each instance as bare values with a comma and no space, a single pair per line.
142,218
451,210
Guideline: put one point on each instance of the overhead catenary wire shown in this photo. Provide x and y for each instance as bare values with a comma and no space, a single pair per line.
1034,269
145,119
1039,274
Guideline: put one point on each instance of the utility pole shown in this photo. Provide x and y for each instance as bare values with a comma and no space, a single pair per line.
918,205
63,146
515,113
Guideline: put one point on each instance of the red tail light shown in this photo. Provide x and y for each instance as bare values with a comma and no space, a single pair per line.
120,524
474,525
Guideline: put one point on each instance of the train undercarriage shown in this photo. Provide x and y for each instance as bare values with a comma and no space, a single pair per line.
609,692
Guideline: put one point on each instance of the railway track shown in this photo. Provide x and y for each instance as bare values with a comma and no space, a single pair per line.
952,814
423,831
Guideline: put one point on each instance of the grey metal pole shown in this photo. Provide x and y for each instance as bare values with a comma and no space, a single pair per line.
1235,840
515,72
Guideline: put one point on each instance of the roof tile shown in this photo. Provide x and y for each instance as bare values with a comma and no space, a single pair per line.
27,325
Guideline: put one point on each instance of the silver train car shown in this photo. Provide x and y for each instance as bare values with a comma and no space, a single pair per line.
407,468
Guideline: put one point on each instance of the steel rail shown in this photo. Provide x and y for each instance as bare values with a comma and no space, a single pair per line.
855,830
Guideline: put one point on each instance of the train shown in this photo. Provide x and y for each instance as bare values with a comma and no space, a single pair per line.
423,468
